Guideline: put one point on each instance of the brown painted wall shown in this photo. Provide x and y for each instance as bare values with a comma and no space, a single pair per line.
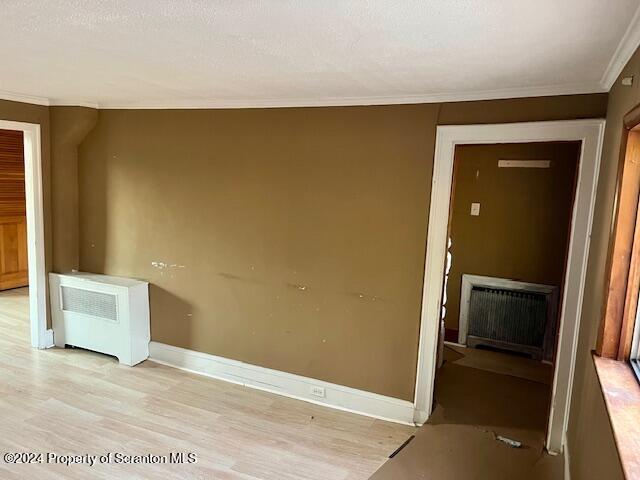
290,235
69,126
289,238
525,213
590,438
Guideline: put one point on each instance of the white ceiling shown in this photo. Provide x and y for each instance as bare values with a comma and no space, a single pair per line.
237,53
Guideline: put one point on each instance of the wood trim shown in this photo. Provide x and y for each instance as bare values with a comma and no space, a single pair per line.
631,297
15,219
632,118
621,247
12,184
604,329
623,263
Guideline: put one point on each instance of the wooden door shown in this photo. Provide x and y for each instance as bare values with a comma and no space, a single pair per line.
13,221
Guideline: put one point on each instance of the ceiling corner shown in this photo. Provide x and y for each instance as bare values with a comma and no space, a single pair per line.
22,98
73,103
626,48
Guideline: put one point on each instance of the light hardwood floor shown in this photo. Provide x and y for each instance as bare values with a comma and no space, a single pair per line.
77,402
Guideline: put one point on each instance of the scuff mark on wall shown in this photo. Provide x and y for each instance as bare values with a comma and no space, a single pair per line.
164,265
232,276
298,286
363,296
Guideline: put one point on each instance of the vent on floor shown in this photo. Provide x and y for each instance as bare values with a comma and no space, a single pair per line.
86,302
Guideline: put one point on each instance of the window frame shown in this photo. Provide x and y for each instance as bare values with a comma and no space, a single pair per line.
619,334
634,354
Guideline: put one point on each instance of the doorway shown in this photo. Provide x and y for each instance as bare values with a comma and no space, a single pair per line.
508,239
31,225
13,212
589,134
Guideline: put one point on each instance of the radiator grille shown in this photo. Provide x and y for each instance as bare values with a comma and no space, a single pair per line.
87,302
514,317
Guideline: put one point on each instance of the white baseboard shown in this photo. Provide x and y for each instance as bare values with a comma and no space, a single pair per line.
48,338
282,383
420,417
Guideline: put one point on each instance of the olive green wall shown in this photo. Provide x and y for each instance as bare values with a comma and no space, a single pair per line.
288,238
525,215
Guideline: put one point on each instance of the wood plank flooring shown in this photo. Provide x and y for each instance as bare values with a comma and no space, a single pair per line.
77,402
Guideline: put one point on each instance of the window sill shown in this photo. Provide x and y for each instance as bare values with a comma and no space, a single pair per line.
621,392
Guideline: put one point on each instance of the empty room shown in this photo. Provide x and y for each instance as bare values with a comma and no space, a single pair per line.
334,240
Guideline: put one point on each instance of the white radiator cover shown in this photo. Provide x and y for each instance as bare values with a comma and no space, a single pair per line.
101,313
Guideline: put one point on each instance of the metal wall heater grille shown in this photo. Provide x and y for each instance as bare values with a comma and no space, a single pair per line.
87,302
508,316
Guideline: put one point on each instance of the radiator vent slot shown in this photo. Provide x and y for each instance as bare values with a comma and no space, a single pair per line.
514,317
509,315
87,302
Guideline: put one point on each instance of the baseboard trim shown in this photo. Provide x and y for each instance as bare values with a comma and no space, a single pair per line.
48,338
282,383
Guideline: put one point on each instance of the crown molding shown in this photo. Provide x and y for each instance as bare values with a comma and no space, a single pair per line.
208,103
44,101
73,103
545,91
626,48
18,97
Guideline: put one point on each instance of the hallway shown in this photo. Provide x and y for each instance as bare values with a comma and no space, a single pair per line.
474,406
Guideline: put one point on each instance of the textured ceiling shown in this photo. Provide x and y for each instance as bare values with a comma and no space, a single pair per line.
304,52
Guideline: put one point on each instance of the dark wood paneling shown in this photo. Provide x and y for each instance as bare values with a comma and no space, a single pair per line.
12,194
13,226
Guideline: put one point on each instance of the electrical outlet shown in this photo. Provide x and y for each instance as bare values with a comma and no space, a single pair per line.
317,391
475,209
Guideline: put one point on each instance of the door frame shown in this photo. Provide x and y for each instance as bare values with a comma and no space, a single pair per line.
590,133
41,336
